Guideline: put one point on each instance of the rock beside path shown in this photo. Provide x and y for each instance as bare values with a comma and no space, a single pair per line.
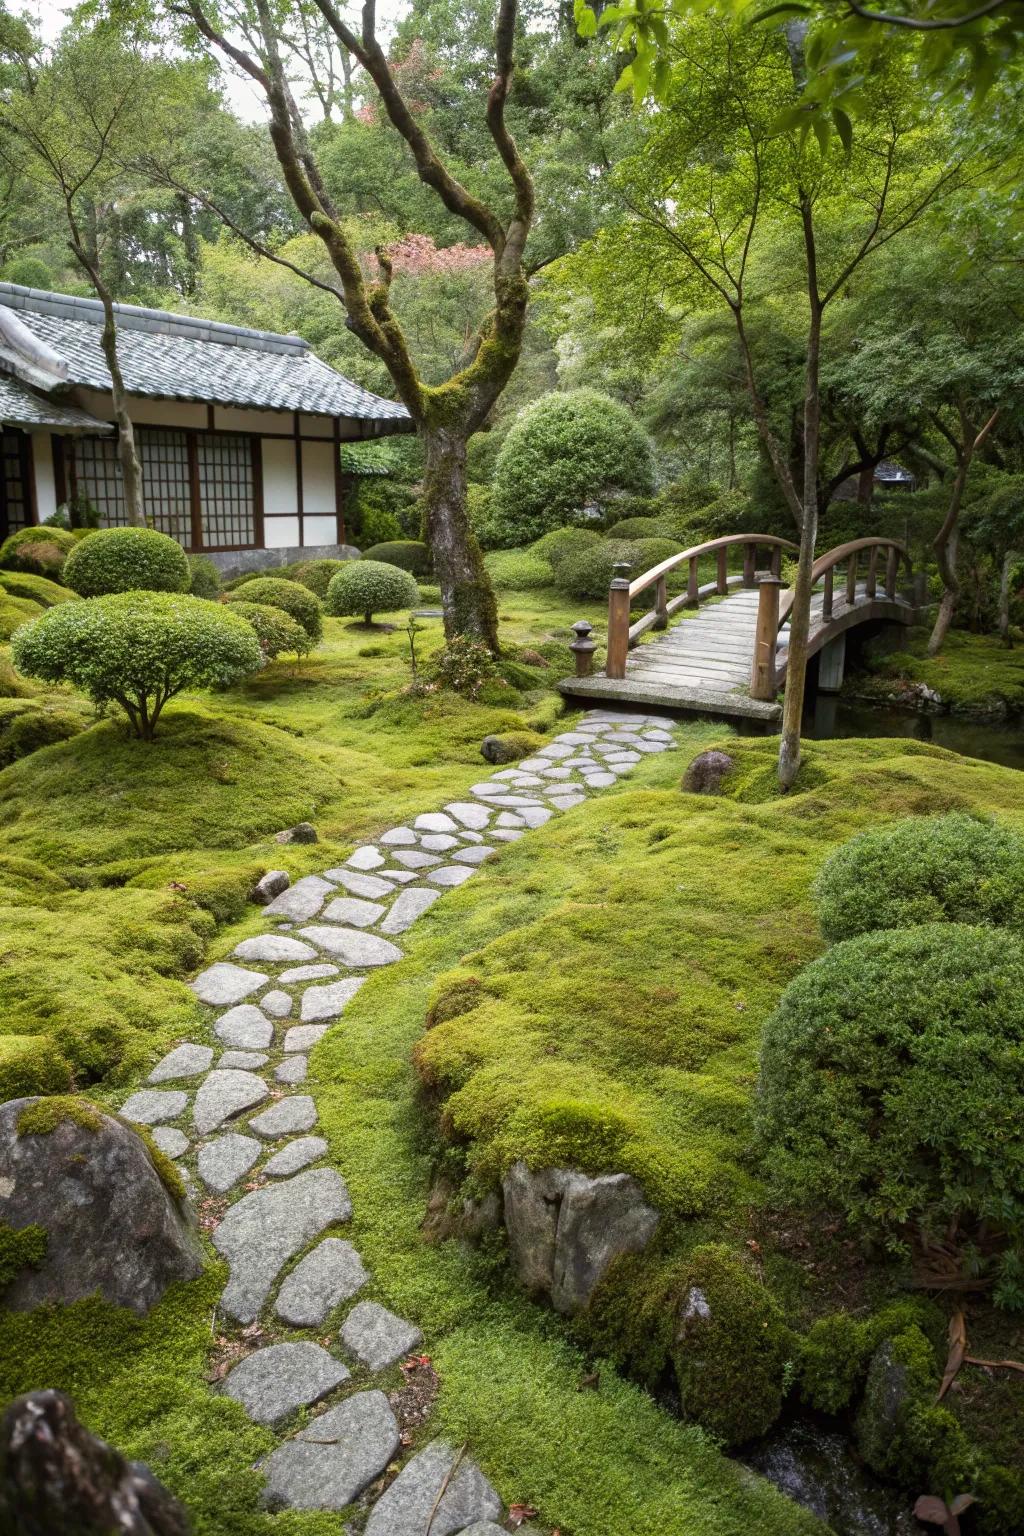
272,884
705,774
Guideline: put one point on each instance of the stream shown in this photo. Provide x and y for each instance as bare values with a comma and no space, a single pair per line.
830,716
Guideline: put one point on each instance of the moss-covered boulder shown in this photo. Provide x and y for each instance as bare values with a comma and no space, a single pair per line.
510,747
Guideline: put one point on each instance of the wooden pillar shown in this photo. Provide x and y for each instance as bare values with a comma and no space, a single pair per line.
661,603
872,579
828,598
832,665
892,566
723,571
618,623
692,589
583,648
749,562
776,563
851,580
762,673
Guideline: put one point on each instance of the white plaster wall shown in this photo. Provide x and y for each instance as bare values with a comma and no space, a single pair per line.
316,426
280,532
318,479
280,487
46,490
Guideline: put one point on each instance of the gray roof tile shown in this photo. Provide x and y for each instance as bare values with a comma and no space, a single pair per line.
21,407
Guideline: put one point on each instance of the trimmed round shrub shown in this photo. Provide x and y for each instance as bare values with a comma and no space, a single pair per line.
517,570
649,552
138,649
587,572
315,575
923,870
204,577
277,633
642,528
291,596
127,560
408,554
892,1088
37,551
367,587
561,453
561,543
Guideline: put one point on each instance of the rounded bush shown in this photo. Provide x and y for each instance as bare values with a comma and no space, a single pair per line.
923,870
642,528
561,453
408,554
367,587
315,575
560,543
204,577
517,570
37,589
587,572
138,649
291,596
892,1086
127,560
37,551
277,633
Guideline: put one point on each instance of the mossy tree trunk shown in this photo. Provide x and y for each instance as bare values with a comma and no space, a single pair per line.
466,593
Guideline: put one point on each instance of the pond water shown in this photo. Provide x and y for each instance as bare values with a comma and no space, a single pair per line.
816,1468
830,716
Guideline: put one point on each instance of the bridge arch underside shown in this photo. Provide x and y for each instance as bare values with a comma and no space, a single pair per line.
878,610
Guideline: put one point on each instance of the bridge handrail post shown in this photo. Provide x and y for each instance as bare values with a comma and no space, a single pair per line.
618,622
661,603
851,578
763,682
892,567
722,574
776,560
829,595
692,585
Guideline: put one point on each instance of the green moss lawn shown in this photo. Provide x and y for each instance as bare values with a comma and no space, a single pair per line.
973,674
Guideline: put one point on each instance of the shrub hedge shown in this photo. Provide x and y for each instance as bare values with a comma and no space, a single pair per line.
277,632
370,586
204,578
290,596
408,554
315,575
517,569
561,543
127,560
37,551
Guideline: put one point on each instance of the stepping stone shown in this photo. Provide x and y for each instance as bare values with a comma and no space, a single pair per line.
307,973
413,859
435,821
510,819
518,800
364,885
328,1002
450,874
557,749
412,1500
534,764
469,856
398,876
302,900
409,906
355,948
295,1113
600,780
275,1381
246,1027
183,1061
329,1463
492,787
151,1105
223,1161
249,1061
558,773
303,1037
399,836
507,834
474,816
224,984
566,802
535,817
572,739
366,857
225,1094
376,1336
293,1070
350,909
331,1274
273,949
297,1154
277,1004
439,842
171,1142
267,1227
471,837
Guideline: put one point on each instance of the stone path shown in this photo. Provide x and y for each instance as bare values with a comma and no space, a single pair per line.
277,996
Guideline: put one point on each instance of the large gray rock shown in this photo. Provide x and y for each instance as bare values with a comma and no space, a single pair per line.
111,1225
224,1094
329,1275
376,1336
277,1380
705,774
302,832
405,1509
565,1228
330,1462
266,1228
270,885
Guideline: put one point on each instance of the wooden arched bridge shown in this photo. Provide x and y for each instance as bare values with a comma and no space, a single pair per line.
730,654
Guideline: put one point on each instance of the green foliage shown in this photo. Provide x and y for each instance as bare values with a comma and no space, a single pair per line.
27,725
588,572
378,511
15,611
19,1247
463,665
138,649
31,1064
315,574
127,560
277,633
891,1075
204,577
37,551
35,589
642,528
564,451
408,554
955,868
370,586
517,570
560,543
974,675
836,1351
43,1117
294,599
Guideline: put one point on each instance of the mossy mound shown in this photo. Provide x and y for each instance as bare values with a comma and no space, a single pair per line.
37,589
26,725
37,551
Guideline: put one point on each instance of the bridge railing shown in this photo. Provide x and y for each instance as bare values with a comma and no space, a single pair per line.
775,607
622,635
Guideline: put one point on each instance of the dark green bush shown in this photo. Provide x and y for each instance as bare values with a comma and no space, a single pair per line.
294,599
561,453
923,870
642,528
892,1087
517,570
138,649
127,560
314,575
562,543
408,554
276,631
38,551
588,572
367,587
379,509
204,577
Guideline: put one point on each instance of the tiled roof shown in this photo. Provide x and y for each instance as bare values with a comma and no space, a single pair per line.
21,407
177,357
